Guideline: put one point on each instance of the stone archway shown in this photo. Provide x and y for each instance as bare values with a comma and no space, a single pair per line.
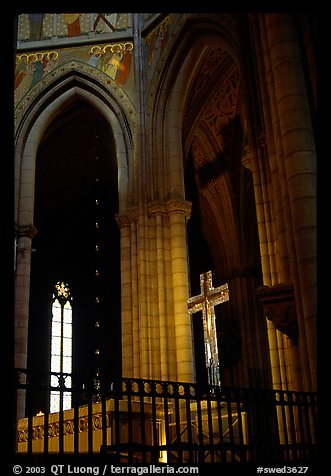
201,104
31,129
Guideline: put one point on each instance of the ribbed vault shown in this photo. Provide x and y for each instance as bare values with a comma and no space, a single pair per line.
215,138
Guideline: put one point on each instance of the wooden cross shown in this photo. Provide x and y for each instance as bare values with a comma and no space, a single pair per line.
206,302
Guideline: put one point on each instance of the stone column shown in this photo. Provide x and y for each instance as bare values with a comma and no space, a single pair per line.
161,297
156,328
178,214
25,234
300,168
170,288
135,299
124,223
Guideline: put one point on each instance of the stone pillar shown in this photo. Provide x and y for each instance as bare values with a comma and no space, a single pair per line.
183,332
127,281
133,257
250,161
280,310
161,297
156,328
24,236
300,169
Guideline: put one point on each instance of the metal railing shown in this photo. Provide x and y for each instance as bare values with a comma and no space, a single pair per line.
136,420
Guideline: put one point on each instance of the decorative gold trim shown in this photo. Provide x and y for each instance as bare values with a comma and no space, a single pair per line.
37,56
113,47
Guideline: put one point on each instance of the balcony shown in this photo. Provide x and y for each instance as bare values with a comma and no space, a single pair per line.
149,421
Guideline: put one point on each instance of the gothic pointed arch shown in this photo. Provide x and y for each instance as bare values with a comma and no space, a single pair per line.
41,105
73,92
201,107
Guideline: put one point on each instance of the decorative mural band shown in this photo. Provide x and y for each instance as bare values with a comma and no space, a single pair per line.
84,30
113,59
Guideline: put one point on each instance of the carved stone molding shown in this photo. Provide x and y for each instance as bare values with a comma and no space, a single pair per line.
97,76
156,208
26,230
170,206
246,158
279,307
125,219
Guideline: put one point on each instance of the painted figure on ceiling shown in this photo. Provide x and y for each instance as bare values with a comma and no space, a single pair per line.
23,78
113,63
124,69
95,57
51,63
156,41
73,23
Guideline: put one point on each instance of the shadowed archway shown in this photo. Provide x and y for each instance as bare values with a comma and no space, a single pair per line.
75,166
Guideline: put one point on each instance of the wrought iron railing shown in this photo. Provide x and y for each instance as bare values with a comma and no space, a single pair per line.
136,420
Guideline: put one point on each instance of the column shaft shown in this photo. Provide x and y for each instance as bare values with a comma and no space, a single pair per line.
300,168
183,331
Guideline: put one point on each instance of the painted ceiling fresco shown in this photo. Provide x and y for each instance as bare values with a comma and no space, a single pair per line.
102,41
113,59
44,26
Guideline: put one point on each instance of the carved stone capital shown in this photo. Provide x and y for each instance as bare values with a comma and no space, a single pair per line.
171,206
156,208
125,219
279,307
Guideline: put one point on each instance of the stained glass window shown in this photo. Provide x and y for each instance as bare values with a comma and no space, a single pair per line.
61,348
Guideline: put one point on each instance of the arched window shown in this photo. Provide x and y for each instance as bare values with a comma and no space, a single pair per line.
61,348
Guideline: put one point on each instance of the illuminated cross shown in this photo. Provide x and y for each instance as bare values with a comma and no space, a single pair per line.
206,302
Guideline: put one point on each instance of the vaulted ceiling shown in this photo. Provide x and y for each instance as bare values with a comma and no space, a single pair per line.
220,186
